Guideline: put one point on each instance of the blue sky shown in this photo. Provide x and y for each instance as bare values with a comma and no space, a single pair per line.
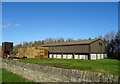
37,21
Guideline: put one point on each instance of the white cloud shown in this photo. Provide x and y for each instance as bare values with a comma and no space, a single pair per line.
3,26
9,25
17,24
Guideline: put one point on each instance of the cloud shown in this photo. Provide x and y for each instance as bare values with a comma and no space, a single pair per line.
17,24
3,26
9,25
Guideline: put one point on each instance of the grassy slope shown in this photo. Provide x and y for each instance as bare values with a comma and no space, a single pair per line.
108,66
10,77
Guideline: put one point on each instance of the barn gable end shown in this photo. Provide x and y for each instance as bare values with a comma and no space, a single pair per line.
97,47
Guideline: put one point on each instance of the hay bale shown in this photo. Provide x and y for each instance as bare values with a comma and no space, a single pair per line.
33,52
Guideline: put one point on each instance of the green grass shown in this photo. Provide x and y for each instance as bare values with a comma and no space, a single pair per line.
10,77
108,66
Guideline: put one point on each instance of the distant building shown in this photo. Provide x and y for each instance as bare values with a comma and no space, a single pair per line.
84,49
0,51
7,47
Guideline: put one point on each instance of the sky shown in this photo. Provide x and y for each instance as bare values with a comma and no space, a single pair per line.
33,21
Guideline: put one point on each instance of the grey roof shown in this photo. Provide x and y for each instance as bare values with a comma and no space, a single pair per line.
70,42
7,42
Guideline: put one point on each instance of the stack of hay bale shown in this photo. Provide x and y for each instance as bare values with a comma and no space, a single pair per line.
21,52
33,52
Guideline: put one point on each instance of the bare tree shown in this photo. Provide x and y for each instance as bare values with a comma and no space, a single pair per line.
100,37
25,44
69,39
49,40
60,40
79,39
113,44
110,36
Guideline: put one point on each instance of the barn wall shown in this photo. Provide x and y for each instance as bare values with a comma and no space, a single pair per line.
95,47
69,49
7,46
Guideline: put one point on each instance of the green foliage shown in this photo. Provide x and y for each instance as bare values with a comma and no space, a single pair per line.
108,66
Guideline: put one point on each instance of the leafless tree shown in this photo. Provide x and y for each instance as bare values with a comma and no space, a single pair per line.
112,40
49,40
60,40
69,39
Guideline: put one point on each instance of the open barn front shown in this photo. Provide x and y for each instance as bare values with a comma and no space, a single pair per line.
84,56
69,56
98,56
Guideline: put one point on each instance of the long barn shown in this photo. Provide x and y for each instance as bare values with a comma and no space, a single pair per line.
83,49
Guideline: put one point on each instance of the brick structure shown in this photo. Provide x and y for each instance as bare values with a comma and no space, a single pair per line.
6,48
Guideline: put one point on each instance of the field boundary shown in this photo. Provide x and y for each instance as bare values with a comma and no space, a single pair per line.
42,73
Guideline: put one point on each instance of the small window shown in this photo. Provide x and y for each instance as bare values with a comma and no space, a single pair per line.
100,44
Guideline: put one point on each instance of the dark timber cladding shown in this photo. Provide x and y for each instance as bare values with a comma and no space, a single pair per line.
7,47
82,47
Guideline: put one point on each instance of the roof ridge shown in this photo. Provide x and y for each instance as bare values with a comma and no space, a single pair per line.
71,42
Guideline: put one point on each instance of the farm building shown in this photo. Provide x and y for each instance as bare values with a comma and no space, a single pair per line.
83,49
5,49
0,51
33,52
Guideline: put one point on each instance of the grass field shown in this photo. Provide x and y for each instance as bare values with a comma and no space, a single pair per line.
108,66
10,77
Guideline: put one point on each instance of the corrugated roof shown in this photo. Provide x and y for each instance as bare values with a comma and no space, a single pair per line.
7,42
70,42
